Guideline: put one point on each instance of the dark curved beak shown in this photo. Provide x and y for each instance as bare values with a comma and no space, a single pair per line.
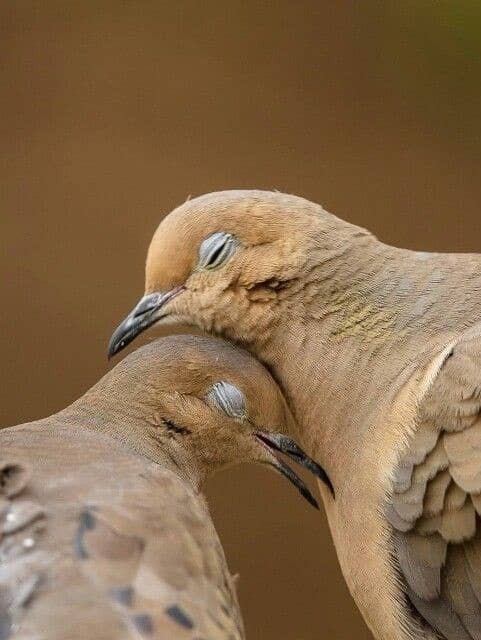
287,446
147,312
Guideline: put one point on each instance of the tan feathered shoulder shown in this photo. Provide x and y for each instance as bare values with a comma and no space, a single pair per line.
84,553
436,499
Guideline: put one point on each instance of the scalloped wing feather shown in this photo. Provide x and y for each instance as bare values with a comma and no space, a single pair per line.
436,501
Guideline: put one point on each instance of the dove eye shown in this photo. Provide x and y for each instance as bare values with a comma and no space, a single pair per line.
217,249
229,399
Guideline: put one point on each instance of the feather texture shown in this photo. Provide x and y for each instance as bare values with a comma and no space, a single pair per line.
439,554
118,549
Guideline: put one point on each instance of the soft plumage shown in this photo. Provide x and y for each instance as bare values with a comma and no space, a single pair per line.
378,351
103,530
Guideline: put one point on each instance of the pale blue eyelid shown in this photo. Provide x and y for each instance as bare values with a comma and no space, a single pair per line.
228,398
221,243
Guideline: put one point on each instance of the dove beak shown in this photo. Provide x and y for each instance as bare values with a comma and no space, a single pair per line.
149,310
283,444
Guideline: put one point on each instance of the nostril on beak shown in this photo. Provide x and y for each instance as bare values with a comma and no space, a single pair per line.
149,303
143,315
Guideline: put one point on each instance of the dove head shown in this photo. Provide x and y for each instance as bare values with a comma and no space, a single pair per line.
229,262
206,405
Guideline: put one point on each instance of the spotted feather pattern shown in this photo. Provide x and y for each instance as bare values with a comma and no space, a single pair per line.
97,542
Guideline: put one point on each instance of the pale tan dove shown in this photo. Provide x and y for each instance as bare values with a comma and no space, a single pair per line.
104,533
378,351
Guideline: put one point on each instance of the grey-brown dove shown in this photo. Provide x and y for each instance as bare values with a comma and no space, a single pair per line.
378,351
104,534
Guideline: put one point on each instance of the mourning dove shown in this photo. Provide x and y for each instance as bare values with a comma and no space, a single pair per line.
104,533
378,352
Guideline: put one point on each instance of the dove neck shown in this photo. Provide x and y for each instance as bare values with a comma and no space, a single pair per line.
135,427
377,314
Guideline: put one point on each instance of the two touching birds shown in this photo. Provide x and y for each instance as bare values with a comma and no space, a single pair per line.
103,530
378,353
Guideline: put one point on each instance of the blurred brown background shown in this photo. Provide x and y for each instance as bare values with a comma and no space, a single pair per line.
114,112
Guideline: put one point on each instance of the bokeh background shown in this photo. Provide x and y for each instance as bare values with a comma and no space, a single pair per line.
114,112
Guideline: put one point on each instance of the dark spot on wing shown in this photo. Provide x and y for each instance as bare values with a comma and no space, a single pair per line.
88,519
87,522
123,595
143,623
5,626
178,615
13,478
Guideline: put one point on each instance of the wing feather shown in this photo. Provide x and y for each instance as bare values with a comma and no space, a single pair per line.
138,565
436,501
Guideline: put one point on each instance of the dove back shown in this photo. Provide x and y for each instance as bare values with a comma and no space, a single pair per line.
100,542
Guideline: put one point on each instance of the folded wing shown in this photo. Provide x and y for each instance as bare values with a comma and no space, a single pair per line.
435,507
